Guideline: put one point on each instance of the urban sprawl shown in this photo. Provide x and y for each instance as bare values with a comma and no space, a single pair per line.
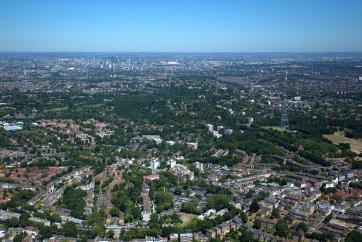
180,147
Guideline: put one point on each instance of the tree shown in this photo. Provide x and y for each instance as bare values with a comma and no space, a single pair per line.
217,201
244,216
96,217
54,217
275,213
324,237
257,224
164,200
73,199
190,207
128,216
246,236
136,212
19,237
354,236
154,225
328,218
178,190
70,229
214,240
47,231
254,206
282,228
115,212
154,220
24,219
303,226
98,230
12,222
110,234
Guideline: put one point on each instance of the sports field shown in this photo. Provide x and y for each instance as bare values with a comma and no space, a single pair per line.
338,137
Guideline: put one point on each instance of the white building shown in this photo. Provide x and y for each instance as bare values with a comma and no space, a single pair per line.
228,131
155,164
192,145
216,134
210,128
199,165
170,142
171,163
155,138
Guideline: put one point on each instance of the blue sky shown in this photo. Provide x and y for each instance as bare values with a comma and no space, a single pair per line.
181,25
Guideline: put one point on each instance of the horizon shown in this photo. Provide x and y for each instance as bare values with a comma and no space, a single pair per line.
182,52
181,27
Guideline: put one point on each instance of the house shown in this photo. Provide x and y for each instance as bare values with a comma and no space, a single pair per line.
236,223
40,220
155,164
170,142
171,163
298,235
221,152
59,238
216,134
151,177
211,233
340,224
30,231
228,131
210,128
206,214
268,224
233,225
263,212
200,237
13,126
186,237
192,145
4,215
225,228
174,237
85,138
182,172
199,166
104,133
218,231
155,138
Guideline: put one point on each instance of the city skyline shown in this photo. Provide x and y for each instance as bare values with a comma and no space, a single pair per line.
182,26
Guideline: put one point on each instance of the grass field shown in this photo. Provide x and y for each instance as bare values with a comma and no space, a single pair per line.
338,137
186,218
277,128
56,110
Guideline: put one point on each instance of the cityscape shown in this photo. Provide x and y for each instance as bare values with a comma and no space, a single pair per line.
180,145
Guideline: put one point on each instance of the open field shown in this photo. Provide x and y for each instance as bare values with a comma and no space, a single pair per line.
277,128
338,137
186,217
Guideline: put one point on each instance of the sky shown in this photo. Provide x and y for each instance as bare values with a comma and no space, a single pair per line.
181,25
